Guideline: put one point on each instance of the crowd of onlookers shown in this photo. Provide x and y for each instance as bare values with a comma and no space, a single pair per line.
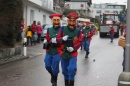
32,33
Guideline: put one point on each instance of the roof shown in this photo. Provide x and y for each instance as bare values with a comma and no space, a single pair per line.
89,1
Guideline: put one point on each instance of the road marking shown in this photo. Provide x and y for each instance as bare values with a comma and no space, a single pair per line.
124,82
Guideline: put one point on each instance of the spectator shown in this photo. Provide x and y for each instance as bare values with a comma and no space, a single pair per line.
39,31
29,35
23,35
34,27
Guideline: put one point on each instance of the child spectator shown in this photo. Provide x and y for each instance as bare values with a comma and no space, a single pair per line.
29,35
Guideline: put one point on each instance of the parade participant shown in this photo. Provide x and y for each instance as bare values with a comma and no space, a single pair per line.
52,57
83,27
87,37
111,32
70,38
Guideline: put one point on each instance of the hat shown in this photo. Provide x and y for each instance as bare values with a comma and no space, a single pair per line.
72,15
87,22
55,15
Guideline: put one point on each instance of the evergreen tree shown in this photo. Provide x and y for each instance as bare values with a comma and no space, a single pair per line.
11,13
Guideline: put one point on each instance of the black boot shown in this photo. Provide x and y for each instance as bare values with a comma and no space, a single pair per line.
71,83
51,76
87,53
123,69
66,82
51,79
54,80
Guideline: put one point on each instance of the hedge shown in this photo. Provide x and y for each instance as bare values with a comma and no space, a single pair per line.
11,13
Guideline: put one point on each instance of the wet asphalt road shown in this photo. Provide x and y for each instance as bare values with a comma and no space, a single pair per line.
104,71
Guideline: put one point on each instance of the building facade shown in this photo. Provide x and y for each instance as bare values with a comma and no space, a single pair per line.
81,6
97,9
38,10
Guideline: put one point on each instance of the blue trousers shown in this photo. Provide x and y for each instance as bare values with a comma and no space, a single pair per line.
52,63
111,37
86,45
69,68
124,59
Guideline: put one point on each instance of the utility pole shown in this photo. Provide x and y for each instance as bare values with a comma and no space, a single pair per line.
124,78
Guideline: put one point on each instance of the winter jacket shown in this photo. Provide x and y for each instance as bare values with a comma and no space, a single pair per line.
39,29
76,41
111,31
34,27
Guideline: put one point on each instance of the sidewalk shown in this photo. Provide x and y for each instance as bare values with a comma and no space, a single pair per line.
32,51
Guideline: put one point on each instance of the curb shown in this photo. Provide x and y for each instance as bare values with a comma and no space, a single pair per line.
11,60
15,58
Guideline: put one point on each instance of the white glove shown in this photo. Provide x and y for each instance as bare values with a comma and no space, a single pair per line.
70,49
65,38
53,40
45,41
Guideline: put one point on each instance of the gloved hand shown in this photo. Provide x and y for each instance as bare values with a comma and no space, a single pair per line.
70,49
65,38
45,41
53,40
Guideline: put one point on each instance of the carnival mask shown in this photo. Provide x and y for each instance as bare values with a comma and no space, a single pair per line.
56,21
71,23
87,25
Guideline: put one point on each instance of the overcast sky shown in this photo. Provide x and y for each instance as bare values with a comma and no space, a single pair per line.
109,1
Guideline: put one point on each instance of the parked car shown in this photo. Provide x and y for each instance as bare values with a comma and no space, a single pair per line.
43,25
44,31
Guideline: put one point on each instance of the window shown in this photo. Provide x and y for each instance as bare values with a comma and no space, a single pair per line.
110,7
110,17
118,7
50,5
43,2
107,11
44,19
31,16
98,11
115,12
97,17
97,6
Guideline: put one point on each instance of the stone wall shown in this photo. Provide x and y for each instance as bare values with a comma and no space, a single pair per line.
10,52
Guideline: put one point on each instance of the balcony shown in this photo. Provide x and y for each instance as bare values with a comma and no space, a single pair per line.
57,8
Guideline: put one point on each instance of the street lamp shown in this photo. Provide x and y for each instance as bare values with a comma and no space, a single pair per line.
124,78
